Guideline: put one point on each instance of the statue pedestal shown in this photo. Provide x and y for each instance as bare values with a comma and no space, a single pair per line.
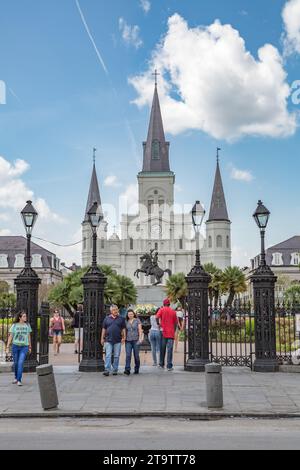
151,295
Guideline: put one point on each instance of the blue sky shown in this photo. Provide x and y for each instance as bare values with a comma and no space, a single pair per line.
62,101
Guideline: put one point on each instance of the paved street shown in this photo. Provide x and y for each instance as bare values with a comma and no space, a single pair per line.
154,391
150,433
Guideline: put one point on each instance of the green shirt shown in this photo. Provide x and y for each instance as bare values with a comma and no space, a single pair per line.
20,333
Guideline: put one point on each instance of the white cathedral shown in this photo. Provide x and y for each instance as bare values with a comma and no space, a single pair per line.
156,225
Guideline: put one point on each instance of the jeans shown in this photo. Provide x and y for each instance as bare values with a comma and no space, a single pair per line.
116,350
166,345
132,346
155,341
19,355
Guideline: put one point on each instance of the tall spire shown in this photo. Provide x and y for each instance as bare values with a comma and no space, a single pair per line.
156,149
218,207
94,193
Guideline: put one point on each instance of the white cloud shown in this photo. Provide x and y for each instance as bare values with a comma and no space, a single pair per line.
222,89
240,257
291,19
146,5
241,175
5,233
111,181
130,34
14,192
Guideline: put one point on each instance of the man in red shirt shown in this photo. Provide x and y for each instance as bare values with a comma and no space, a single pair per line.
168,320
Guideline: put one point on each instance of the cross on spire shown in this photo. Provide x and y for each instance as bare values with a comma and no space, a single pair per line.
94,155
218,157
156,74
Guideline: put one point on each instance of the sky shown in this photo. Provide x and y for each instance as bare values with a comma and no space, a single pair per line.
77,74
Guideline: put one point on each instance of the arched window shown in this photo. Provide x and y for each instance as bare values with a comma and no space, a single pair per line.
295,259
181,244
3,261
156,246
102,244
209,242
277,259
219,241
131,243
227,242
155,150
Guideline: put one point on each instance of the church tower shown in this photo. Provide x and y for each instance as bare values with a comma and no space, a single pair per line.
94,196
218,227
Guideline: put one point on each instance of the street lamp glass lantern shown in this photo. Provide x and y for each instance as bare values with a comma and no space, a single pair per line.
198,214
95,215
29,217
261,216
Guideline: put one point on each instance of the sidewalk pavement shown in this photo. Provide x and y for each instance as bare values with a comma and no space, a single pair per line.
154,392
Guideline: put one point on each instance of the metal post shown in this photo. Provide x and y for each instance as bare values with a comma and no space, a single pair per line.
264,281
198,323
27,288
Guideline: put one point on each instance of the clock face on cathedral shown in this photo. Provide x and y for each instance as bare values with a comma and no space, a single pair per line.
155,230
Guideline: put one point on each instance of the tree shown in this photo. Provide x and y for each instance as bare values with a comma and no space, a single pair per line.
176,288
7,300
119,290
233,282
4,287
292,294
215,286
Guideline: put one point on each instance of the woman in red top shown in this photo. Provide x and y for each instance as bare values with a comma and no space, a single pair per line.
57,325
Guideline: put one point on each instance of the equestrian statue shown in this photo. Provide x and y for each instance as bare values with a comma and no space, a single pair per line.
149,267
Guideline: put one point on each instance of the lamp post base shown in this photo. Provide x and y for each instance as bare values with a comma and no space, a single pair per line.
91,365
196,365
265,365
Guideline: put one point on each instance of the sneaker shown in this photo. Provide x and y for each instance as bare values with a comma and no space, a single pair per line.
161,367
115,372
154,365
136,372
106,373
170,369
126,372
15,382
20,384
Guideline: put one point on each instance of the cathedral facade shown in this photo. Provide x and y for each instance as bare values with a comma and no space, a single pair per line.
157,225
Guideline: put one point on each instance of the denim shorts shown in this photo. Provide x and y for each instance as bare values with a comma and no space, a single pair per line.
57,332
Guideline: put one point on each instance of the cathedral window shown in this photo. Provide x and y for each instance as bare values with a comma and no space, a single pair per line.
155,150
150,206
131,243
84,243
209,242
227,242
219,241
181,244
102,243
156,246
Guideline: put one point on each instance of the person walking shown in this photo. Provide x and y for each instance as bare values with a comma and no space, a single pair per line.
19,337
112,337
134,338
78,329
179,326
168,321
155,337
57,325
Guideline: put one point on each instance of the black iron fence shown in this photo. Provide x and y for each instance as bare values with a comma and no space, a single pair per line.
7,316
232,334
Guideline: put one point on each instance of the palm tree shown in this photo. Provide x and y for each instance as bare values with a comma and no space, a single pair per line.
176,288
127,292
215,286
233,282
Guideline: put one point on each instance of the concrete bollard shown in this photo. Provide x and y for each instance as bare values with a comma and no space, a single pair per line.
214,385
47,387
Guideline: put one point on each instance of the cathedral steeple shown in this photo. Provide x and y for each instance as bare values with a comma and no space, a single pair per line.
156,149
94,193
218,207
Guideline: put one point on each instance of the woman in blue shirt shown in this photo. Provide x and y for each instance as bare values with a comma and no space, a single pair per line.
134,337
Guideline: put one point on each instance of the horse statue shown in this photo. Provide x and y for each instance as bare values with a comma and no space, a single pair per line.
149,267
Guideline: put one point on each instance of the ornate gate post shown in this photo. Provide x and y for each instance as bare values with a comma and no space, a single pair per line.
27,287
93,311
264,281
197,304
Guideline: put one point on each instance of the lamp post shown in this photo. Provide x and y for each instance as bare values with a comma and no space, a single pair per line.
264,281
198,324
27,287
93,286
